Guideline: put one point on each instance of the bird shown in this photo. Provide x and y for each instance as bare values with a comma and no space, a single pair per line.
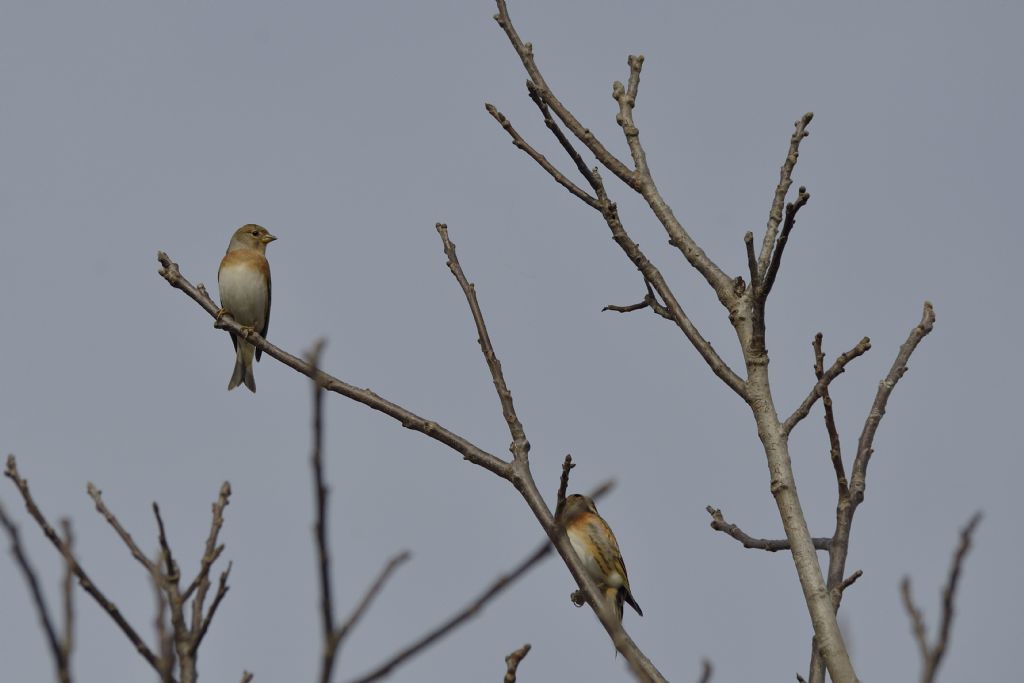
244,283
595,544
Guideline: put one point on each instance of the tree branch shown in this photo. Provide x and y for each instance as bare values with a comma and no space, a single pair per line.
520,447
563,486
792,208
67,638
525,52
850,497
472,609
330,641
837,368
931,654
639,179
171,567
512,662
520,143
705,671
781,190
718,523
97,497
58,650
885,387
650,300
835,448
170,272
626,97
372,592
222,590
671,310
469,611
164,637
11,472
755,279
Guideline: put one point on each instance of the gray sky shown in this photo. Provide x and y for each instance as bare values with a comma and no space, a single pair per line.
348,129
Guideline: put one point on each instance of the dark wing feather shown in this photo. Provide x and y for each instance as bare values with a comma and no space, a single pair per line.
266,315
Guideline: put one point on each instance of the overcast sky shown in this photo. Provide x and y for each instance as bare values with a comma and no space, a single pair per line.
348,129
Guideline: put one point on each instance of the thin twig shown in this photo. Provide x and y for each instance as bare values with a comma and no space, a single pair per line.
705,671
212,550
837,368
164,637
329,647
97,498
653,279
639,306
650,300
466,613
474,454
525,52
541,160
370,595
60,659
755,280
171,567
931,654
332,637
837,592
639,179
718,523
520,447
563,486
222,590
835,448
67,637
11,472
792,209
512,662
782,189
626,97
556,130
885,387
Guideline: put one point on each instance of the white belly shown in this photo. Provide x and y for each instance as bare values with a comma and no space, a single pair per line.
581,548
243,293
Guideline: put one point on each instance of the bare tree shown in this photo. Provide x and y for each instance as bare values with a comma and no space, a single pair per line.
743,296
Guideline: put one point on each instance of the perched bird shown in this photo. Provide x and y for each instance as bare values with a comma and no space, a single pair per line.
244,282
595,544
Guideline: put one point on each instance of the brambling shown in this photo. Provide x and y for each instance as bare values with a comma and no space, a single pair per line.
594,542
244,282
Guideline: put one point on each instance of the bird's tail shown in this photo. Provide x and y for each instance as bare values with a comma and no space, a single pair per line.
614,596
243,367
628,597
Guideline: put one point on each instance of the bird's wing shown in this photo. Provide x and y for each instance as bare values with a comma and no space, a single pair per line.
265,267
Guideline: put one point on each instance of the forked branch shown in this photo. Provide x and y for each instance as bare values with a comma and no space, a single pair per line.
718,523
932,653
11,472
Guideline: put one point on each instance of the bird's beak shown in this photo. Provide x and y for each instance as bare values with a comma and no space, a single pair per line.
267,239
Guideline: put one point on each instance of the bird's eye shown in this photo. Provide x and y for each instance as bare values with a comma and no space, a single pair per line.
255,233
